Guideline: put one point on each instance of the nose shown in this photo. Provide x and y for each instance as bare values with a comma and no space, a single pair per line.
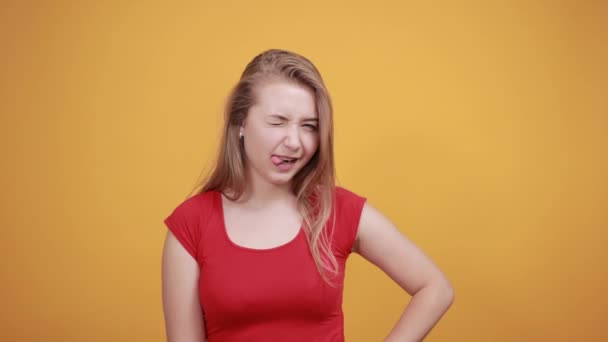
292,137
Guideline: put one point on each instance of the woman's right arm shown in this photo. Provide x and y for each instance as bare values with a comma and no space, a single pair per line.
181,304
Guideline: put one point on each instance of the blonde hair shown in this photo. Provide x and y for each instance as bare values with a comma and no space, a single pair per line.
314,184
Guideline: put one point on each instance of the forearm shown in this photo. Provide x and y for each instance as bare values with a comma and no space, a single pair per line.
424,310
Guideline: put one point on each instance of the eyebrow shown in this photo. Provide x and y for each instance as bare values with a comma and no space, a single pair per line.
281,117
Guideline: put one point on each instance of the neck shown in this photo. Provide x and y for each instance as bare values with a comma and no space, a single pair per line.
260,193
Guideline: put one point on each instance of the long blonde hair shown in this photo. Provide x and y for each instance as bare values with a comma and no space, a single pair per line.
314,184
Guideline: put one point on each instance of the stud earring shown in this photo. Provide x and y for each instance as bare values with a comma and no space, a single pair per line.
240,134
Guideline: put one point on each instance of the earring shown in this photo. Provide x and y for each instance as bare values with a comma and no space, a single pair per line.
241,134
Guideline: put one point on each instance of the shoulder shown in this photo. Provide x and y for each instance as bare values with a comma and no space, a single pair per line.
188,220
203,198
348,207
197,203
192,212
348,199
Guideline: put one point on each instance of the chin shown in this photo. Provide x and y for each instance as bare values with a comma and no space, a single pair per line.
280,180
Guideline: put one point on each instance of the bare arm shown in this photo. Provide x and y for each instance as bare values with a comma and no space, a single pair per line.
181,305
381,243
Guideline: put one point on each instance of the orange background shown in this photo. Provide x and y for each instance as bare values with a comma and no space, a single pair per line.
479,128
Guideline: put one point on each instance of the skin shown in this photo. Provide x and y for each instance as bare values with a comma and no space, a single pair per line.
283,122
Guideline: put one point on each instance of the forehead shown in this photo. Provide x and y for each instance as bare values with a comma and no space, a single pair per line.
284,98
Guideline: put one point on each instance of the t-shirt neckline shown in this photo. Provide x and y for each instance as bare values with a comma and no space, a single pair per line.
246,248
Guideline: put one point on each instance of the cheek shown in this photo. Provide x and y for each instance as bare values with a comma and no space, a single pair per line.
260,142
311,143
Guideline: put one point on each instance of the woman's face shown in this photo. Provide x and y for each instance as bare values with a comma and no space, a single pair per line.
280,131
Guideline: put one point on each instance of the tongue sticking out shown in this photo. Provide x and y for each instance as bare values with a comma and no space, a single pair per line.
277,160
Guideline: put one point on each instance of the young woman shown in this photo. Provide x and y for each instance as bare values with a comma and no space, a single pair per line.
258,253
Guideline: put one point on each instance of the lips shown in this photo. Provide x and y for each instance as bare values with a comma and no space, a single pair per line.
279,159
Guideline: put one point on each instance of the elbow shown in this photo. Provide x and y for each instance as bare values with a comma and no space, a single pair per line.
443,292
450,295
446,292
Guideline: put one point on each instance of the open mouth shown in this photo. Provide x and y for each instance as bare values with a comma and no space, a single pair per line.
277,160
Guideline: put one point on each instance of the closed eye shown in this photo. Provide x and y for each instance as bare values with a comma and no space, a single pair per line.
311,127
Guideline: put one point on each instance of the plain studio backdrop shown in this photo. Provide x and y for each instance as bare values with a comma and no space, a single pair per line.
479,128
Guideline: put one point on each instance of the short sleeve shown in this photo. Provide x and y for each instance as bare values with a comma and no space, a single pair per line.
186,223
349,206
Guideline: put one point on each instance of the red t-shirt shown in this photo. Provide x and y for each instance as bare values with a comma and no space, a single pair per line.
272,294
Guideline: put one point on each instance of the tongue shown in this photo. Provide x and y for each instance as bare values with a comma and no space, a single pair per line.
276,160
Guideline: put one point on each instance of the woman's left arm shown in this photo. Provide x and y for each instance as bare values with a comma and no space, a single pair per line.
381,243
